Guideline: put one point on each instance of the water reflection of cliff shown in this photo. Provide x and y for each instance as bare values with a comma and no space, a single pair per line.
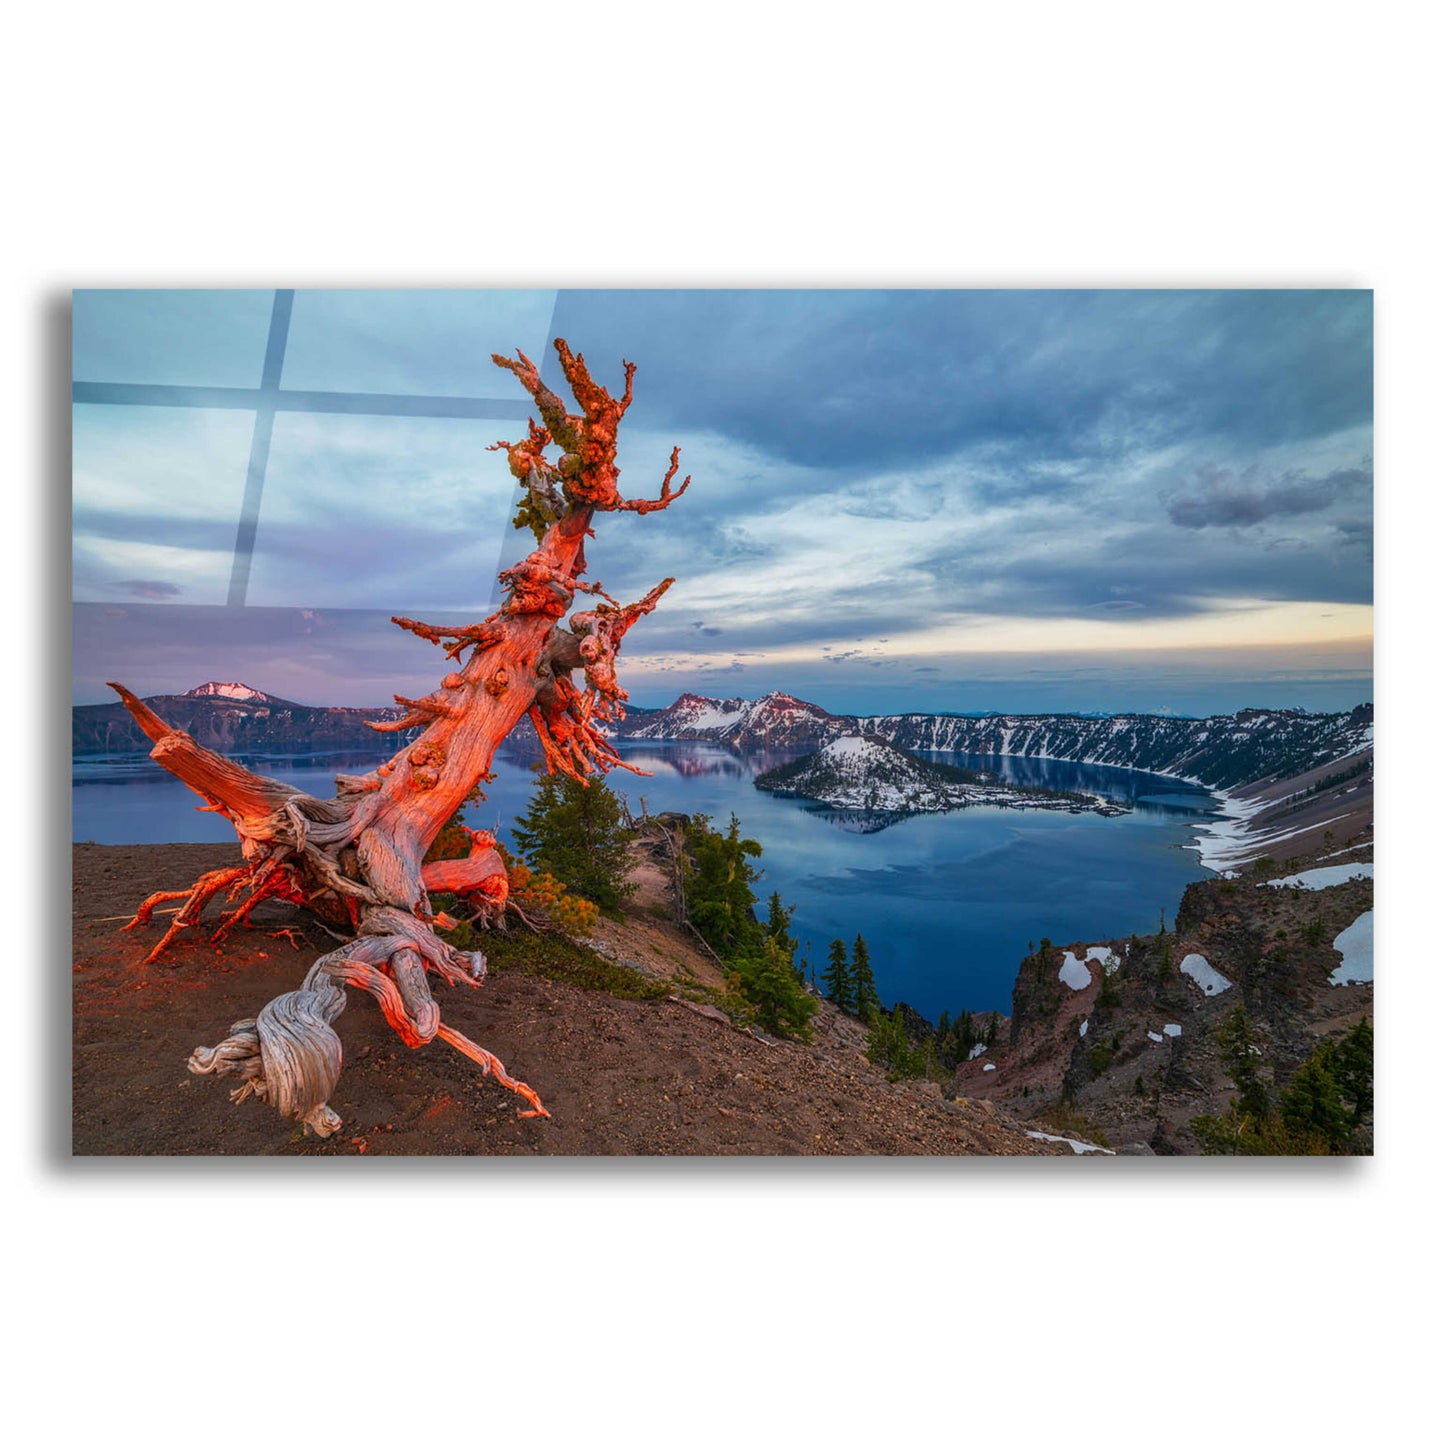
1145,792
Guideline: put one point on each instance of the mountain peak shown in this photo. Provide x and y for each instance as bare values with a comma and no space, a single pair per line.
236,691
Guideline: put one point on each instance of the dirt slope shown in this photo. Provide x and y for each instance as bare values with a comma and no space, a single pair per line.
619,1076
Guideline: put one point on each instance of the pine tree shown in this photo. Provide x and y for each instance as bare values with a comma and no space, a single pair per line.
1166,958
721,903
575,832
966,1036
1241,1062
865,989
1311,1106
1355,1069
777,929
772,985
838,977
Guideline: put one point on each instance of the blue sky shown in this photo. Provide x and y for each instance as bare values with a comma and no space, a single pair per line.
1023,500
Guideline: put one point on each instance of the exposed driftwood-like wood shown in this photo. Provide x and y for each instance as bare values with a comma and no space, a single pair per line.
356,859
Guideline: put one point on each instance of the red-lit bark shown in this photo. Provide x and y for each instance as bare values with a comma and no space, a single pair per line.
356,859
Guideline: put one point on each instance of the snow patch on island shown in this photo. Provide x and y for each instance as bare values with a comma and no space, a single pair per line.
989,1068
1197,967
1173,1030
1357,944
976,1050
1313,879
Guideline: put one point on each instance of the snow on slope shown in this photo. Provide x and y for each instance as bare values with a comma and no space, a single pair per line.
1314,879
1357,943
236,691
1077,1145
1197,967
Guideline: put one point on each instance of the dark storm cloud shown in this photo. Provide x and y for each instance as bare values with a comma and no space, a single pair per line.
1147,575
1357,533
1220,497
859,380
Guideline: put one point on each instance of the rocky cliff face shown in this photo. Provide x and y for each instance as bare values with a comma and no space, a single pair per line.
777,720
1123,1033
1220,752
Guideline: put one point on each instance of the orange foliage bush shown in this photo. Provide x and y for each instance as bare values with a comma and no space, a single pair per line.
541,893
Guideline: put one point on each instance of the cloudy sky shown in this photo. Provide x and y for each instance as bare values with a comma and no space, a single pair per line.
1023,500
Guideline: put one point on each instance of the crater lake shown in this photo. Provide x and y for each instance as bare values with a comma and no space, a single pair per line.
949,903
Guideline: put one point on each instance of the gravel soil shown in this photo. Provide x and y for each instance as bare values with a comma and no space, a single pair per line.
619,1076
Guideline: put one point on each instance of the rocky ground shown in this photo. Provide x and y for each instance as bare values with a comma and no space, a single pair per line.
621,1076
1128,1077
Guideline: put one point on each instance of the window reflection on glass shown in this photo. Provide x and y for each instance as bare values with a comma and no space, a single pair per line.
170,338
156,493
437,343
166,483
395,512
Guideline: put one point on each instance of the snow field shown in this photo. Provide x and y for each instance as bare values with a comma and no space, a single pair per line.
1313,879
1075,971
1197,967
1357,943
1077,1145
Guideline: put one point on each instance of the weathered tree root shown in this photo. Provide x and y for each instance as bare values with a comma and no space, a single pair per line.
197,896
268,880
290,1056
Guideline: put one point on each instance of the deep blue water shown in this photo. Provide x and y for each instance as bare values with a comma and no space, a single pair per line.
948,903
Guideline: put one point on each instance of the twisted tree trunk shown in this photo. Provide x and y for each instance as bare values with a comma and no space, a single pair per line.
356,860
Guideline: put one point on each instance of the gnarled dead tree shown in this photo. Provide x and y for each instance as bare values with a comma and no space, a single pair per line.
356,860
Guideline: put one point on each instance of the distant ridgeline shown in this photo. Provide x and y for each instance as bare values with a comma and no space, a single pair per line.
1219,752
230,717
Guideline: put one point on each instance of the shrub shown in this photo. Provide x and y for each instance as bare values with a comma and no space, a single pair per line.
890,1049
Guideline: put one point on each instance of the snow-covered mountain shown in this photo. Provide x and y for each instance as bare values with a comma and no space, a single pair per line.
774,720
231,717
863,771
1220,752
236,691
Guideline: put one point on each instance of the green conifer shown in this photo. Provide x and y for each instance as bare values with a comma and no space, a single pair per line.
838,977
1311,1106
576,833
1355,1069
865,989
